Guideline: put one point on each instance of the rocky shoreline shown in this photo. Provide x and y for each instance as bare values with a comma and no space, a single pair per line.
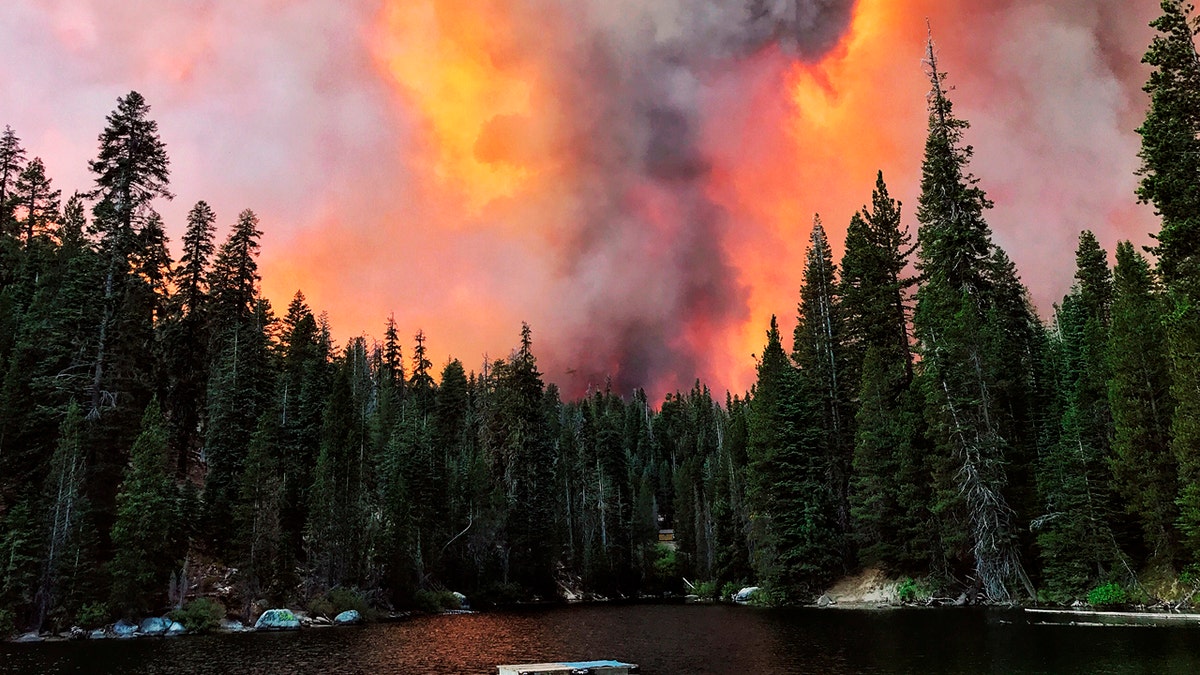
272,620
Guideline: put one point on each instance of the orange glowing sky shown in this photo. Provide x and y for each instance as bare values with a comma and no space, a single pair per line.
470,164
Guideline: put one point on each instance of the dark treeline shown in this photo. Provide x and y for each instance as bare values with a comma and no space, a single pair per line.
160,420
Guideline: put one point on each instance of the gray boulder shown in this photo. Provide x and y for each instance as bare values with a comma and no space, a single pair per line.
155,625
463,603
825,601
743,596
97,634
232,626
278,619
347,618
124,629
31,636
175,628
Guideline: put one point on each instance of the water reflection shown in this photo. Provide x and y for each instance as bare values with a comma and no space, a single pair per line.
664,639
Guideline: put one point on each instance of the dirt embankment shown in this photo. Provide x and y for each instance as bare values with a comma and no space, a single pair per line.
869,588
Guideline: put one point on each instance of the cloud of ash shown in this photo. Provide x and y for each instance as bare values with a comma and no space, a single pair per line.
635,179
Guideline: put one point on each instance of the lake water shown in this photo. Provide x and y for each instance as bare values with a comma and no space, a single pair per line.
663,639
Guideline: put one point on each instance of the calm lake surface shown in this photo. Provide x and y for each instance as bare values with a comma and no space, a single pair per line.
663,639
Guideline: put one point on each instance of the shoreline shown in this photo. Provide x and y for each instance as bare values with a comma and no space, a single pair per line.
1031,615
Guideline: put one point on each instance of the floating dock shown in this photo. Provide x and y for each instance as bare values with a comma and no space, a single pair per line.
1070,617
571,668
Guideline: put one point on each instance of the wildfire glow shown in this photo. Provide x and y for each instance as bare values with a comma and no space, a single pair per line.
460,66
636,179
820,133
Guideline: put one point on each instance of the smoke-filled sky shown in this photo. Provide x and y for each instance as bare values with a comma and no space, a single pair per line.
635,179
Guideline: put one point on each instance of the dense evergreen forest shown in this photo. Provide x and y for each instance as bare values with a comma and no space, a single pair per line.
164,431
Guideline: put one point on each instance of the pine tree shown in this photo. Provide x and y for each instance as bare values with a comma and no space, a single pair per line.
66,529
239,374
262,562
239,386
338,521
793,518
34,194
450,433
152,266
20,558
521,445
1171,182
1171,141
819,348
1145,471
420,385
147,535
301,391
191,276
974,330
12,157
233,280
185,336
889,490
393,360
131,170
45,347
1078,546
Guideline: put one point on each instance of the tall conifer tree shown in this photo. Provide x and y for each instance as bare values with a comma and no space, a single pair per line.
1144,468
1171,182
36,196
1078,546
971,323
819,348
889,491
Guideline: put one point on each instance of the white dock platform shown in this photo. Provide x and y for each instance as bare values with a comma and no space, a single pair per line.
571,668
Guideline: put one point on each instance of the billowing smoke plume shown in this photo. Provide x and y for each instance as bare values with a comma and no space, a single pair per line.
649,288
634,178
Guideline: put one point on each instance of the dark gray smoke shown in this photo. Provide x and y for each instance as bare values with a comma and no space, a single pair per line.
650,285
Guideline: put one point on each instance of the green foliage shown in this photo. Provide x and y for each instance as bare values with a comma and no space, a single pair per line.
666,565
708,590
146,534
828,376
1170,150
94,615
1077,544
436,601
200,615
767,596
1145,472
793,511
1190,576
913,590
1108,595
1170,157
339,599
979,341
731,588
343,599
889,480
20,556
